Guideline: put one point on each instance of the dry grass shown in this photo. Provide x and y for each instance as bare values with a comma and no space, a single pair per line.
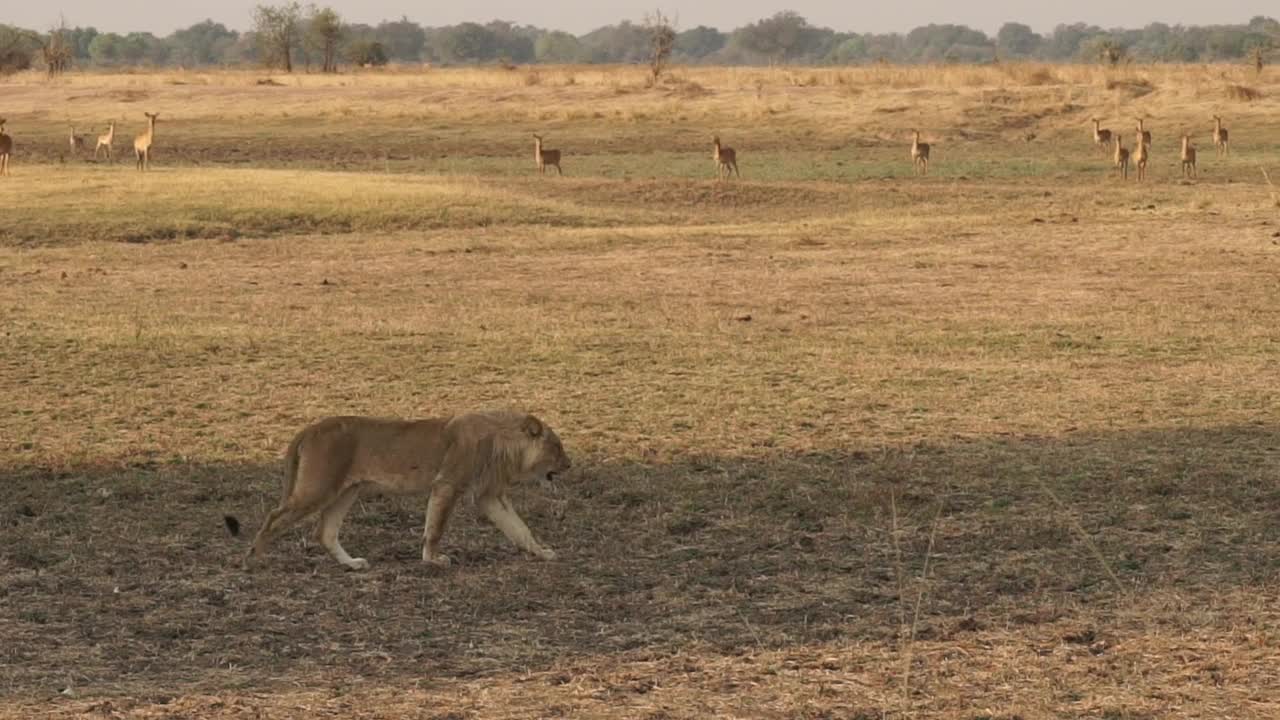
999,443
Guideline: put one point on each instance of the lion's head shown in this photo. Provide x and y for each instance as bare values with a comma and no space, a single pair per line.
545,455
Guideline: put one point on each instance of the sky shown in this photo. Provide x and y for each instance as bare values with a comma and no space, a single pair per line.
579,16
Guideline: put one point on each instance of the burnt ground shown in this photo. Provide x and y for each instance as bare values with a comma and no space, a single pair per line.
122,591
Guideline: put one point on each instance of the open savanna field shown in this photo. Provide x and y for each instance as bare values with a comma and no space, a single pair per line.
999,442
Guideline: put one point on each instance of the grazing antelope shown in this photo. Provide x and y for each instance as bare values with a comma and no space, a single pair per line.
545,157
105,140
1141,155
77,141
1188,157
919,154
1144,135
6,149
1101,136
1220,136
726,159
1121,159
142,143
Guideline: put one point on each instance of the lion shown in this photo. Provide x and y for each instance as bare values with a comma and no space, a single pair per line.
476,454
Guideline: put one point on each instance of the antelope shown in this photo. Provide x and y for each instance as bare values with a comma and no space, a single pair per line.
919,154
6,149
1101,136
77,141
1121,159
1144,135
142,143
105,140
726,159
1140,156
545,157
1188,157
1220,136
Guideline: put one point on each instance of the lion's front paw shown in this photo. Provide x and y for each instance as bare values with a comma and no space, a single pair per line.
357,564
547,554
439,559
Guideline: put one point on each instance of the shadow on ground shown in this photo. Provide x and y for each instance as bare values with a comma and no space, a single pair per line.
115,579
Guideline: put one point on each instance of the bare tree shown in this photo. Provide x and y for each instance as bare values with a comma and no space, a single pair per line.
1110,52
57,51
278,33
324,32
662,40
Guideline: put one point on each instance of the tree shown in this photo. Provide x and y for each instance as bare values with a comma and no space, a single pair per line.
1017,40
662,39
324,32
402,40
778,37
204,43
467,42
367,53
1066,40
278,33
699,42
625,42
57,50
557,47
17,48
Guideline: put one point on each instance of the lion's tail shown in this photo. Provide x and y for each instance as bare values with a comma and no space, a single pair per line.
290,478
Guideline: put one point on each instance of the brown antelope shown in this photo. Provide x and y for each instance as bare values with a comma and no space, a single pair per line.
6,149
1141,155
142,143
105,140
545,157
1121,159
1220,136
726,159
77,141
1144,135
1188,157
1101,136
919,154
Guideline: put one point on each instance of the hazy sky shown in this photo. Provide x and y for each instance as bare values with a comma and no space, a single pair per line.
579,16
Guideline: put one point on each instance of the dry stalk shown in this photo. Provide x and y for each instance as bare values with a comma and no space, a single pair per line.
920,594
1275,196
1079,528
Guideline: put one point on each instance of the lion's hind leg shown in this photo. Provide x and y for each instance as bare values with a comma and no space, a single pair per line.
327,528
305,497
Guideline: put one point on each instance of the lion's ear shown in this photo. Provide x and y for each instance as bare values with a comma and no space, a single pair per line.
532,426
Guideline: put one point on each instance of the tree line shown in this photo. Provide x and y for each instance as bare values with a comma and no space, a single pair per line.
291,36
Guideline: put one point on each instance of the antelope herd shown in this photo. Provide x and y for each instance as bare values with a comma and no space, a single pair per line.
1140,158
726,159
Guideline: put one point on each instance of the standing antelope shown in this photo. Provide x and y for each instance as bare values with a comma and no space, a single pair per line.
1144,135
1188,157
105,140
726,160
77,141
1101,136
6,149
1220,136
545,157
919,154
1121,159
1141,155
142,143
